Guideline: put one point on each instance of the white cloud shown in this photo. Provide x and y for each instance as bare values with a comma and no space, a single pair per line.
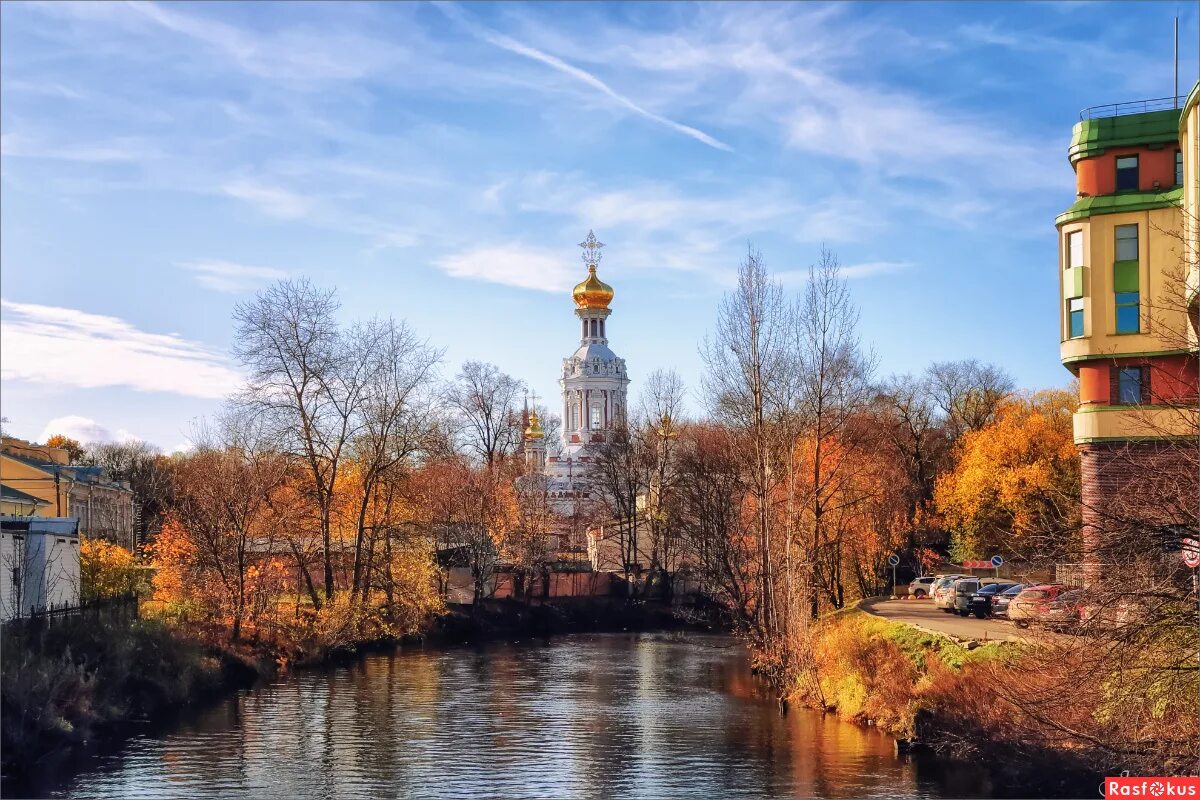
117,150
271,200
513,46
850,272
84,430
68,347
226,276
869,268
513,265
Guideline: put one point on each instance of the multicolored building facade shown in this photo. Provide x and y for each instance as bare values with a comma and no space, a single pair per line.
1128,284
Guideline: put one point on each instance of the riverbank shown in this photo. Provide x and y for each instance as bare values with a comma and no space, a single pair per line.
934,692
65,686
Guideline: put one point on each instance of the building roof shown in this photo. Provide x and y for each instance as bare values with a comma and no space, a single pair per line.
1091,137
17,496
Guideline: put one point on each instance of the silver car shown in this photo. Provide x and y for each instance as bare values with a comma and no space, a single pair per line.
943,592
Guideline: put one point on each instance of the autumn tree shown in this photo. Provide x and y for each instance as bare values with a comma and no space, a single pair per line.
148,473
307,380
396,414
1015,487
108,570
75,450
218,548
486,425
834,386
745,361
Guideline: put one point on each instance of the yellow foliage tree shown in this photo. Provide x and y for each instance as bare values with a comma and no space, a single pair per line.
107,570
1014,488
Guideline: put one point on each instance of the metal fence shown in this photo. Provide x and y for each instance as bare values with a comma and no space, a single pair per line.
1132,107
123,608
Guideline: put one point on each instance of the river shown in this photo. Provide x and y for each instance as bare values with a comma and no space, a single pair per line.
604,715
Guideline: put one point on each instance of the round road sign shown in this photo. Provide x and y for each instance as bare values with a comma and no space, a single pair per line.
893,560
1191,553
997,561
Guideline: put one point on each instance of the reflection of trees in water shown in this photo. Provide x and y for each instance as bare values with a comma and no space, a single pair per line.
591,716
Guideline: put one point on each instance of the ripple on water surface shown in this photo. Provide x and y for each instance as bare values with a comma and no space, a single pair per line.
645,715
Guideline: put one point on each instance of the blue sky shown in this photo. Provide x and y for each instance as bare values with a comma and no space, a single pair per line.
439,162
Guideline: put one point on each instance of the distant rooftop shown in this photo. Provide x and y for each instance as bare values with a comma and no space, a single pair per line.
1133,107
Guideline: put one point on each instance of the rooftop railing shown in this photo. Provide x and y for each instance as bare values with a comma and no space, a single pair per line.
1132,107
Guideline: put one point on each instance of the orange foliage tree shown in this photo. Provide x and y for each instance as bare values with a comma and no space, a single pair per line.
1014,489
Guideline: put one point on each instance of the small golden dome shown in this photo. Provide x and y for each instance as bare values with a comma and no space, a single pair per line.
534,429
592,293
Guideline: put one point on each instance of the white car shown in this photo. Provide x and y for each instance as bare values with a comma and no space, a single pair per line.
920,586
943,591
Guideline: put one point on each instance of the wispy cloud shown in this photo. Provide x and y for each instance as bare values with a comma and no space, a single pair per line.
232,278
127,149
870,268
271,200
554,62
512,264
68,347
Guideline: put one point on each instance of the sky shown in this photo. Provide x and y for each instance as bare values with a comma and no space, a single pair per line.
438,163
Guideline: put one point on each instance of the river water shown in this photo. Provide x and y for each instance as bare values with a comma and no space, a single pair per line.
604,715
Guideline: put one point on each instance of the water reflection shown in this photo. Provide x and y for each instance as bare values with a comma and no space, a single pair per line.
649,715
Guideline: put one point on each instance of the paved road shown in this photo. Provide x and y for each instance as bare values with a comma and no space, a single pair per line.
922,613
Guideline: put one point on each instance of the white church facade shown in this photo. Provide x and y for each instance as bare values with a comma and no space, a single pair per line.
594,384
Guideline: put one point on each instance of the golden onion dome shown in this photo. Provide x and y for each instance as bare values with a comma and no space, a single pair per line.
593,292
534,429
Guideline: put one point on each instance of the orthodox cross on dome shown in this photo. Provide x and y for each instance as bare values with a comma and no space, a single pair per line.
534,395
591,250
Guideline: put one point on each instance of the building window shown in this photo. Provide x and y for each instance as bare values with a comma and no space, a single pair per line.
595,418
1074,249
1179,168
1075,318
1128,318
1127,242
1127,173
1130,385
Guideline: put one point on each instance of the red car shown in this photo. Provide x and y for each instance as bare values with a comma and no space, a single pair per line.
1049,604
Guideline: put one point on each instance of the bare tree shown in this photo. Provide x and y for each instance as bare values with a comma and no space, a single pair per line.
397,411
835,386
148,474
745,361
661,415
487,425
968,393
308,381
485,402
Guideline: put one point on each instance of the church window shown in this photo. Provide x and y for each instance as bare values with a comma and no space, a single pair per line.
595,418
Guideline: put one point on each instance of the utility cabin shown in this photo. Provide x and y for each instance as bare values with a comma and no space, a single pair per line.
39,565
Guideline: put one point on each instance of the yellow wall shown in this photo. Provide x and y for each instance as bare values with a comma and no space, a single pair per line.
1108,423
37,482
1160,258
1189,138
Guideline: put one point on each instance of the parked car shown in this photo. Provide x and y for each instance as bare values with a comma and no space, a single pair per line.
964,590
1064,611
1000,600
943,592
981,601
920,586
1032,602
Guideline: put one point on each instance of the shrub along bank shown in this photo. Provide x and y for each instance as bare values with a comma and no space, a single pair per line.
931,691
61,685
